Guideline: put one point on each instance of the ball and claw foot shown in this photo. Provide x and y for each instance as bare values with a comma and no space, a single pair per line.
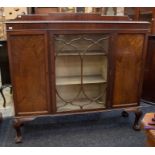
136,127
125,114
18,139
138,115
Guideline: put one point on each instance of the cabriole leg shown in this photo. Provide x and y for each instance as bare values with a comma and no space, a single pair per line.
17,126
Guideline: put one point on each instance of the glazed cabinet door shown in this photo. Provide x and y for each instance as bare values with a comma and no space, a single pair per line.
129,62
81,66
29,67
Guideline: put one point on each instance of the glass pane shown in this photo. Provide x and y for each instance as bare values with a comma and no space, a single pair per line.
81,71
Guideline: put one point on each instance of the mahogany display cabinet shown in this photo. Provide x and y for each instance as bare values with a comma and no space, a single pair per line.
64,64
147,14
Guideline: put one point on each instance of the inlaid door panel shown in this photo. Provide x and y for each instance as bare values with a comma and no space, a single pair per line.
128,67
28,55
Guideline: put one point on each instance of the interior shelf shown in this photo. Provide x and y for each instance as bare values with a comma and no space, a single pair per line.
79,52
77,80
76,54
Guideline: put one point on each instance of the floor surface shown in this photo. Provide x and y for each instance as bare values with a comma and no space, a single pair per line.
100,129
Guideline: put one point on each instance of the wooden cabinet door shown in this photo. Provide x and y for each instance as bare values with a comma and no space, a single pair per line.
129,61
29,67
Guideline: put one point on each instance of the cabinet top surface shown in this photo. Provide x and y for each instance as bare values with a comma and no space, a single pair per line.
80,21
75,22
74,18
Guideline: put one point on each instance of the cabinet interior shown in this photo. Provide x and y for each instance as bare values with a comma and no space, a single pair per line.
81,71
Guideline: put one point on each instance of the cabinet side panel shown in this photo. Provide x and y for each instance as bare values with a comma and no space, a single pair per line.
29,69
128,67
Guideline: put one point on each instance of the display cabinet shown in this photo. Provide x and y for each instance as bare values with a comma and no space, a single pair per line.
148,91
65,64
147,14
142,14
